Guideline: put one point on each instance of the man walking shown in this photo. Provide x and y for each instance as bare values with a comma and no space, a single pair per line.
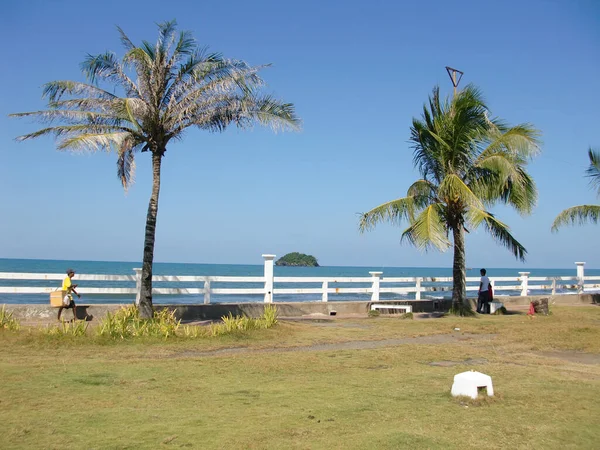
69,288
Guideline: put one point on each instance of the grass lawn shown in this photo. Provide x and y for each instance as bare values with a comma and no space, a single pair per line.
349,383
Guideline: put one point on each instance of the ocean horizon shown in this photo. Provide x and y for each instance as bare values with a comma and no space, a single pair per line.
237,270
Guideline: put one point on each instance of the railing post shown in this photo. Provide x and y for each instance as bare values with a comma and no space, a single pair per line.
580,275
206,292
524,283
418,288
324,295
268,278
553,286
375,287
138,285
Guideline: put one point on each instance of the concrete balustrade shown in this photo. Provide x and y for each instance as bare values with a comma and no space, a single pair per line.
417,288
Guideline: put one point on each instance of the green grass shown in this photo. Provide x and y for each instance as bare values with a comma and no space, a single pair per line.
272,390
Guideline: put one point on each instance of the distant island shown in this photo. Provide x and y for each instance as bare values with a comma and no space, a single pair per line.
297,259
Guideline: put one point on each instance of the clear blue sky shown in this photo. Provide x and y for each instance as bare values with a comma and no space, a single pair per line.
357,71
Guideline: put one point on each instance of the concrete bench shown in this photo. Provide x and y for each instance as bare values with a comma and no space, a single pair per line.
495,306
404,308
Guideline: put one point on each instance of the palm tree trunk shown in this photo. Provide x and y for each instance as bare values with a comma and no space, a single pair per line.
145,306
459,288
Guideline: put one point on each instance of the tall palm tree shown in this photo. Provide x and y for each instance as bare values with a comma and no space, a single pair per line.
582,214
468,162
176,85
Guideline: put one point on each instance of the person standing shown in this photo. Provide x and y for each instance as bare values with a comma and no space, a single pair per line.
69,288
483,296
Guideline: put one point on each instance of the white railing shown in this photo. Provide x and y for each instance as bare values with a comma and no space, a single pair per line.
373,287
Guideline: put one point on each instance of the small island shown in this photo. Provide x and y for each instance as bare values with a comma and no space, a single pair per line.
297,259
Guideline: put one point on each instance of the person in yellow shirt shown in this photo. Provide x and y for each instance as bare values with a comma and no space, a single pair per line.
69,288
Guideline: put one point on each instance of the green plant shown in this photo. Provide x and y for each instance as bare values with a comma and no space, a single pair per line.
127,323
77,328
236,324
7,321
468,162
373,313
166,89
193,332
582,214
269,316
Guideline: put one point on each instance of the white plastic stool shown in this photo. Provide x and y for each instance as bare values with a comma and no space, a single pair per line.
466,383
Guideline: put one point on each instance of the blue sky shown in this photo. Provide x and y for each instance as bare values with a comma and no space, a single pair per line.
357,72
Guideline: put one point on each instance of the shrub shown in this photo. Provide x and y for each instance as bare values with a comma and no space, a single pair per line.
77,328
269,316
238,324
7,321
126,323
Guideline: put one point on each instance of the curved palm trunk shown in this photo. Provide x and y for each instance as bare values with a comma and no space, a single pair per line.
459,288
145,306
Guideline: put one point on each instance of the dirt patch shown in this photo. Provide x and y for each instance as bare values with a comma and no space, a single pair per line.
572,356
352,345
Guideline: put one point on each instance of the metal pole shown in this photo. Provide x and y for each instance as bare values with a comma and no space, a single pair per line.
452,74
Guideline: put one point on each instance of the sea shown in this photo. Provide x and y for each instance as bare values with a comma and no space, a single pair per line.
243,270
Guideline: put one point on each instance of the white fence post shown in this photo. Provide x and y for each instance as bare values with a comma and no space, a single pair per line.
206,292
324,296
375,288
524,283
138,285
268,278
580,275
554,286
418,288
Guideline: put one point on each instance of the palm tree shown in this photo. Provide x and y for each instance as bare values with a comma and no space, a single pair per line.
468,162
177,85
582,214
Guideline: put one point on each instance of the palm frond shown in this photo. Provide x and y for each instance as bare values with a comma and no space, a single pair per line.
108,67
68,131
593,171
126,163
522,140
423,193
428,229
94,142
271,112
393,212
577,215
71,117
125,40
454,190
55,90
501,234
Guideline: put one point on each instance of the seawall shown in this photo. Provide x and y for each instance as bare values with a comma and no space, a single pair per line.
40,314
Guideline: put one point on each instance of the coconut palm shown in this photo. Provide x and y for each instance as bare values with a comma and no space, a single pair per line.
159,91
582,214
468,162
